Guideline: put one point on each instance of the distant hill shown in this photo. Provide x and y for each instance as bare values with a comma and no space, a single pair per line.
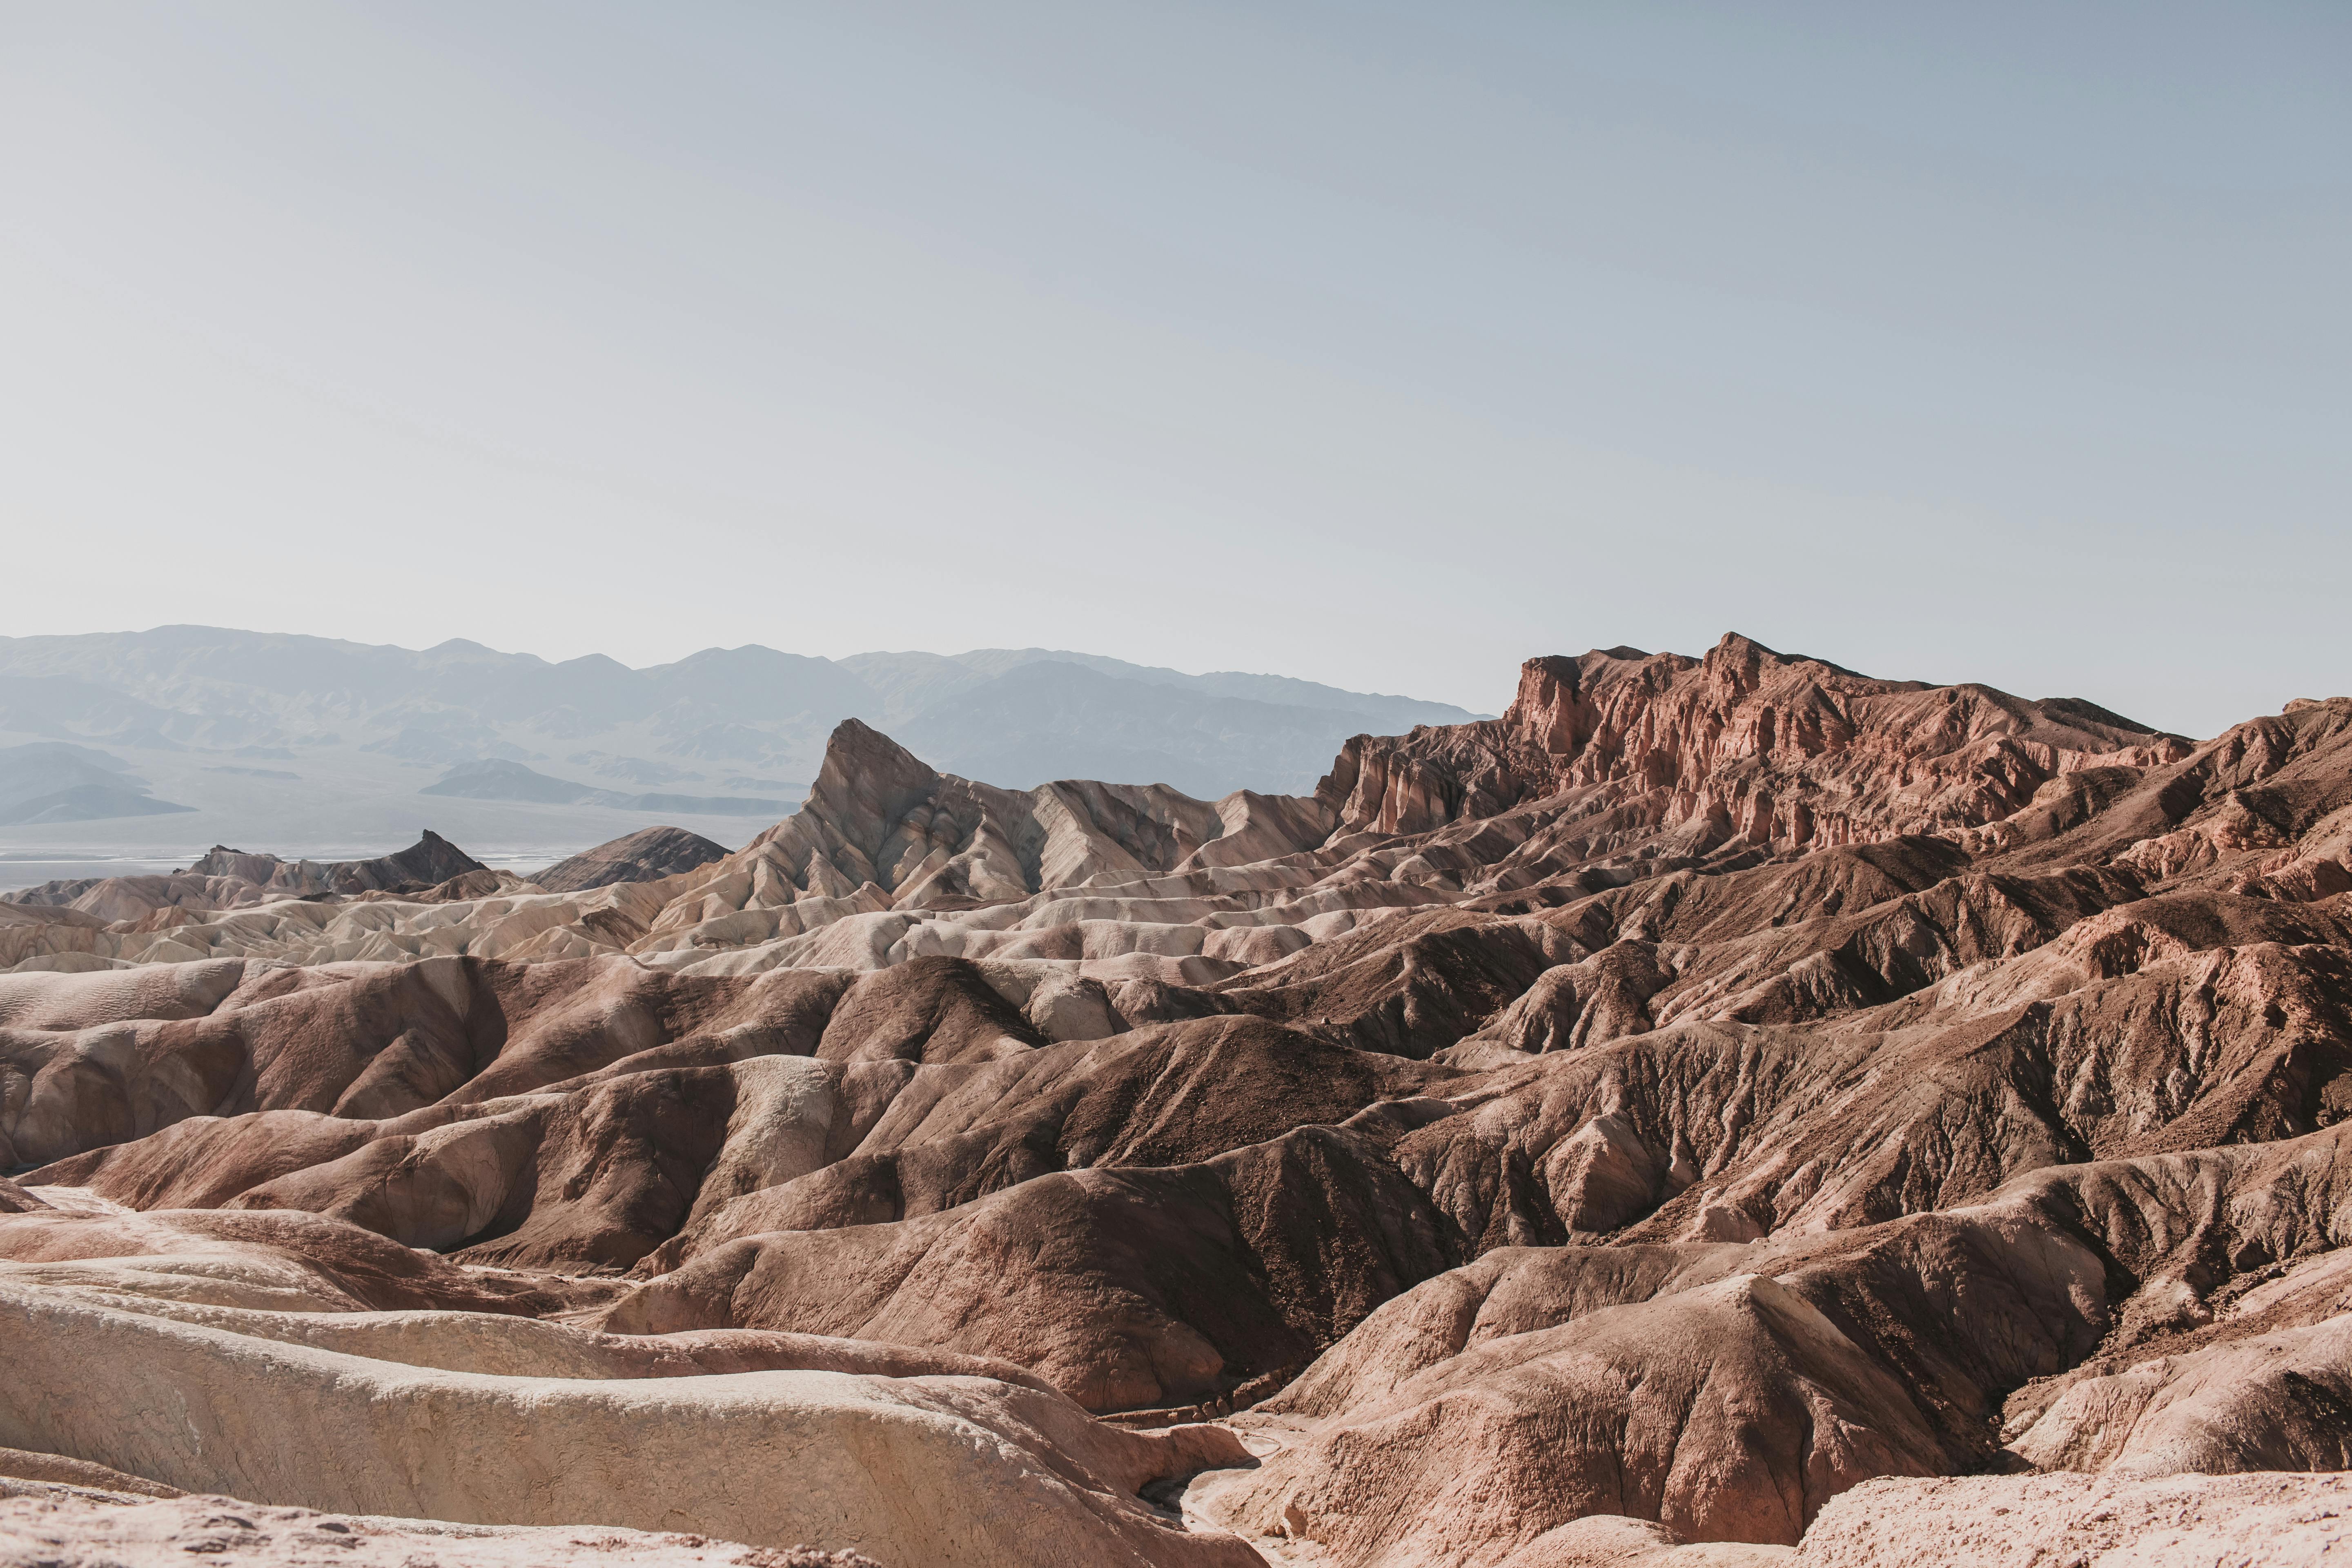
912,684
641,857
501,780
1055,720
353,733
55,782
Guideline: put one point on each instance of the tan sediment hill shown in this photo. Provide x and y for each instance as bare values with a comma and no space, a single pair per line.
1617,1129
923,1463
2012,1522
81,1528
225,879
640,857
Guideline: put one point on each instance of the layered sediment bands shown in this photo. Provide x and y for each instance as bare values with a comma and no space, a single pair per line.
1162,1095
90,1526
293,1262
231,1037
2012,1522
1600,1380
1408,987
1731,1411
1635,1122
1783,752
645,856
223,878
1131,1289
910,1469
876,815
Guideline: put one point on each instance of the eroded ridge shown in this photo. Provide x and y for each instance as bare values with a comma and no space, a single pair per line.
1674,1112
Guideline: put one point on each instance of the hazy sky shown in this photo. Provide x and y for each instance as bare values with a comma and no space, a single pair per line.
1383,345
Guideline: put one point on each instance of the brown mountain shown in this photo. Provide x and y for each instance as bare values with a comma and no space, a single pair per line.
225,879
1645,1118
641,857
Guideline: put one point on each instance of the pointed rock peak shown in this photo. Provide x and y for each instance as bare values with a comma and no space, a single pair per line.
1739,662
1735,650
1739,645
855,741
866,769
221,860
431,859
2082,711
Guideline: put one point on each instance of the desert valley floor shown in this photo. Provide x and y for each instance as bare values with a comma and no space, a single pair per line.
1726,1110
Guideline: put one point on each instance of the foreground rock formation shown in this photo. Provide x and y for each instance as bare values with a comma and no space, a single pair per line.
78,1527
1648,1119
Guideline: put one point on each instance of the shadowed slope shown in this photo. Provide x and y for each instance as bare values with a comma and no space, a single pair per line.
1715,1083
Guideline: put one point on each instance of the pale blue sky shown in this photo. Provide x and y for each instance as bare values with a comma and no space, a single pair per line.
1380,345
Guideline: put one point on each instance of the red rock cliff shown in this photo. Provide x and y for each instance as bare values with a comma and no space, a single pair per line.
1787,751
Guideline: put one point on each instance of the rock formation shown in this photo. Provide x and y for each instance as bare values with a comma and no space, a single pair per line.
73,1526
1673,1118
225,879
643,856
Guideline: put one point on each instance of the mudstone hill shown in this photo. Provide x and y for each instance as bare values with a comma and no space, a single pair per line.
1726,1110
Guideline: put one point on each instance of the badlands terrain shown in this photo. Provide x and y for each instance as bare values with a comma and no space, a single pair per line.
1725,1110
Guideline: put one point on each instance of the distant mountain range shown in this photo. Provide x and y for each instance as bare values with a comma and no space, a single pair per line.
499,779
300,739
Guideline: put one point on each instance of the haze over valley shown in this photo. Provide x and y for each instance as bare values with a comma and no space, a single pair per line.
136,751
